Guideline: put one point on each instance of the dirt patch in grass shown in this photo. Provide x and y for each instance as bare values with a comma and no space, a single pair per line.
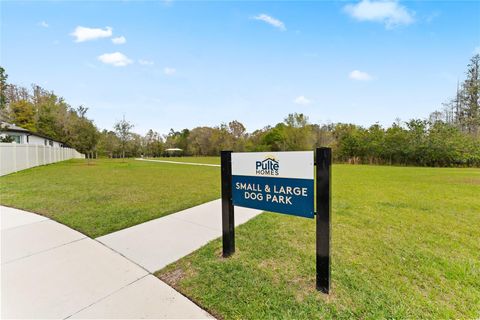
173,277
475,181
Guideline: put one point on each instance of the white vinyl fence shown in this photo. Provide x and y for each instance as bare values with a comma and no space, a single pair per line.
15,157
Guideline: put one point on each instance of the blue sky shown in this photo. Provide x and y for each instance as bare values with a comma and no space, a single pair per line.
181,64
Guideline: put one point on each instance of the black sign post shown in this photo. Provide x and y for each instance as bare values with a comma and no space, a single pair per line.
324,164
228,224
323,204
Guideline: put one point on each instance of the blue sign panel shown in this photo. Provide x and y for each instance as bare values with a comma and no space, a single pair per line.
284,195
274,181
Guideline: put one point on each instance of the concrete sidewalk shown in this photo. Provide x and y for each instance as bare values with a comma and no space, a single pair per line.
51,271
157,243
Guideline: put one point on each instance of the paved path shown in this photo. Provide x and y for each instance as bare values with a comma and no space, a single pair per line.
51,271
159,242
180,162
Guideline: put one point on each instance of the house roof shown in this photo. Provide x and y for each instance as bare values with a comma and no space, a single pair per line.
12,127
5,126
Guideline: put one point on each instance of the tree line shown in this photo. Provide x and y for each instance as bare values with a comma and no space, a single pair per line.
42,111
449,137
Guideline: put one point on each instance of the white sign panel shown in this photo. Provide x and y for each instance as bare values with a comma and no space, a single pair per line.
291,164
274,181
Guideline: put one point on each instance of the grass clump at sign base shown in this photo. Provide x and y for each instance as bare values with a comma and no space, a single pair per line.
405,244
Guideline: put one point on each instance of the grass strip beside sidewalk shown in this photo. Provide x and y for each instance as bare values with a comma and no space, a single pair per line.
107,195
404,245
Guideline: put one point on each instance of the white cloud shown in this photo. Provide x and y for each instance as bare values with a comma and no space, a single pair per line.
271,21
301,100
359,75
43,24
146,62
116,59
389,12
169,71
82,34
119,40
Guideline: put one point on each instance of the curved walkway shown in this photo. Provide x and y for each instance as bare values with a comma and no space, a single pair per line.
157,243
51,271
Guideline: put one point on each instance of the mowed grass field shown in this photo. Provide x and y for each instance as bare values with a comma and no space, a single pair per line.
405,244
405,241
104,196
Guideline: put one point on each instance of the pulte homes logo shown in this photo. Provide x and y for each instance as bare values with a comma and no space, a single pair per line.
267,167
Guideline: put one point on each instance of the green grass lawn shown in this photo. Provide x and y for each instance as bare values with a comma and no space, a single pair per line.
405,241
109,195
